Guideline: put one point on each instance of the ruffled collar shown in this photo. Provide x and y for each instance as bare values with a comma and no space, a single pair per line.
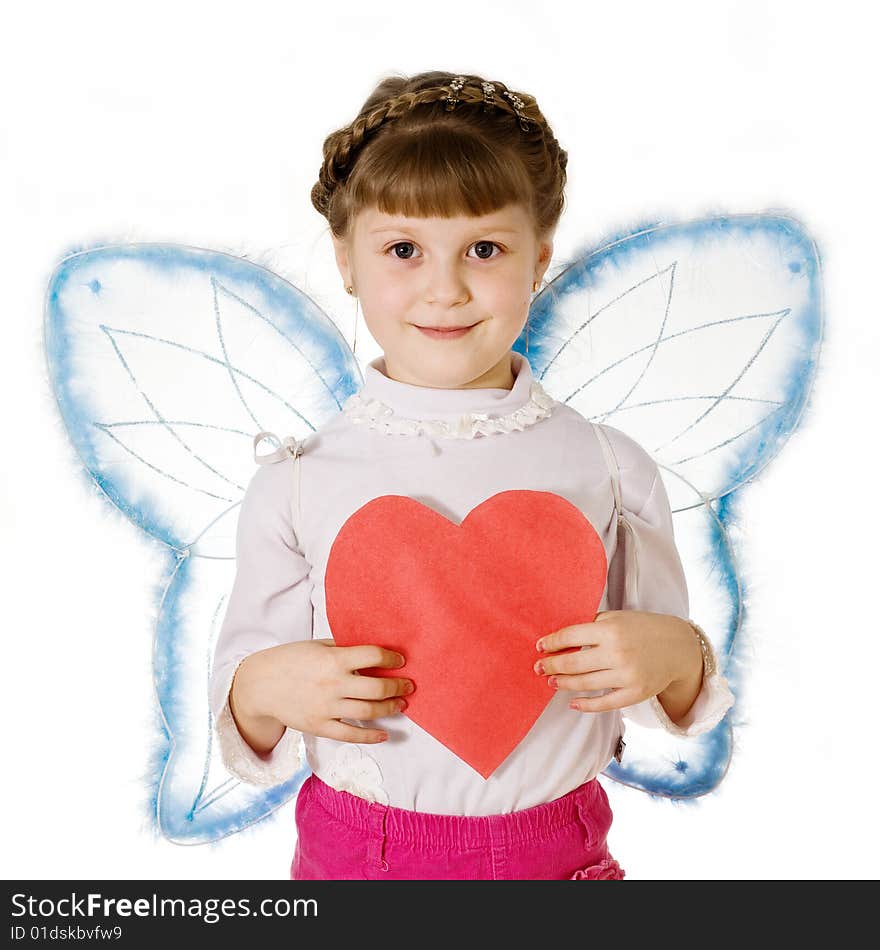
398,408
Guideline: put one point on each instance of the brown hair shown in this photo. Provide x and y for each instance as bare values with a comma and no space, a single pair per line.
407,154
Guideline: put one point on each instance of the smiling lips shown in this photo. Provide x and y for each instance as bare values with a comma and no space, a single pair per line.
452,333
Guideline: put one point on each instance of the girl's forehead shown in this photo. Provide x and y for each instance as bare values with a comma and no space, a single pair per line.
512,217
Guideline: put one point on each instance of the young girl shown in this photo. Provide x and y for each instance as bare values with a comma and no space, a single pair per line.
442,198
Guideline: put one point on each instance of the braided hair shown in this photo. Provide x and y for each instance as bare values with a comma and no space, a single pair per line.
412,152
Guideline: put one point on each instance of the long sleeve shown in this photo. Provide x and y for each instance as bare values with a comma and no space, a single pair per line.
269,604
647,574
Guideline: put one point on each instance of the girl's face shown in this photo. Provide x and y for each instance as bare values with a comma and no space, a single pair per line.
441,273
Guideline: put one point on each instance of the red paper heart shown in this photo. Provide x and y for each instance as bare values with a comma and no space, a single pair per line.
465,604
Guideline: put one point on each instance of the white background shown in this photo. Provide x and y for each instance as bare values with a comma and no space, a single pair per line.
202,124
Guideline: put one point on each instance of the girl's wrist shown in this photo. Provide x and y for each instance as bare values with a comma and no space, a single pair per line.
243,693
261,732
694,661
681,693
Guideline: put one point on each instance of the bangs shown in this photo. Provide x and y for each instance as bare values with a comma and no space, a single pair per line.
438,170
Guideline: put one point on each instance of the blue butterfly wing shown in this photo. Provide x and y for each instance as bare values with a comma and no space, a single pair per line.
194,799
701,341
165,362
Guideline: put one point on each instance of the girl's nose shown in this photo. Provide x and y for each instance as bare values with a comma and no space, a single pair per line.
446,286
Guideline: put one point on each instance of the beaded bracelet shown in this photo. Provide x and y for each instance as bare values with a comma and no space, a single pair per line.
709,663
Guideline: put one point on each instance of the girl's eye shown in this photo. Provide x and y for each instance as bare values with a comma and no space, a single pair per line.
484,253
406,244
486,246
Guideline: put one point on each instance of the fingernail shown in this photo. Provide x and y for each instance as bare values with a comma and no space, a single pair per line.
402,704
539,667
382,737
409,688
552,681
540,646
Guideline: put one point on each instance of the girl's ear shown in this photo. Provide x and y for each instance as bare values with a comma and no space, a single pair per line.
544,257
340,249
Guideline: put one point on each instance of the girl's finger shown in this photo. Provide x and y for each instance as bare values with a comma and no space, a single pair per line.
602,679
590,660
579,635
346,732
616,699
377,687
369,656
369,709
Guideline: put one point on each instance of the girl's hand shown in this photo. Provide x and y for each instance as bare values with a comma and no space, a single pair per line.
310,685
634,653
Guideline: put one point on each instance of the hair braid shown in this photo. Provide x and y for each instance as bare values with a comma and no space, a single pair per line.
401,110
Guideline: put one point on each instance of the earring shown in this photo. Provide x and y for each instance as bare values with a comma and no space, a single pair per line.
535,287
350,291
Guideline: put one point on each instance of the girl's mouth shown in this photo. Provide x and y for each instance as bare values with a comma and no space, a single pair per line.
451,334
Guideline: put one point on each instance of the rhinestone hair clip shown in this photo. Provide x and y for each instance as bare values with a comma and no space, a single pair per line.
518,106
456,86
488,96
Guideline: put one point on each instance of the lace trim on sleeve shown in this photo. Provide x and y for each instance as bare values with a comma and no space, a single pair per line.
713,701
244,763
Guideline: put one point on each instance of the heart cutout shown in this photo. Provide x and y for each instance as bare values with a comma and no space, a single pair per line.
465,605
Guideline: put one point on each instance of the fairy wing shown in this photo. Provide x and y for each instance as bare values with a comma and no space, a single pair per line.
700,340
165,362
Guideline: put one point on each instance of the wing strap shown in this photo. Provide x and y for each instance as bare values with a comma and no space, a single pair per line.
288,447
630,544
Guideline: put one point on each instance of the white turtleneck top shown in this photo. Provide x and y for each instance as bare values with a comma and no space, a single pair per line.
451,449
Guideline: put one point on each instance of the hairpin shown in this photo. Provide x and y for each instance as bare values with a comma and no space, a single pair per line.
518,106
456,86
488,96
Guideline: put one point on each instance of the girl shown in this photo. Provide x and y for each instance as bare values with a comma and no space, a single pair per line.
442,198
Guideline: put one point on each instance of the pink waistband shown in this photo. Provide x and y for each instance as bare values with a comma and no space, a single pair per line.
459,831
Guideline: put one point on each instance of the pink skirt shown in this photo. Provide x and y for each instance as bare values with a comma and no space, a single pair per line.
344,837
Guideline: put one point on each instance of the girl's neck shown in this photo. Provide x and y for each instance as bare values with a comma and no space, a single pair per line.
500,376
